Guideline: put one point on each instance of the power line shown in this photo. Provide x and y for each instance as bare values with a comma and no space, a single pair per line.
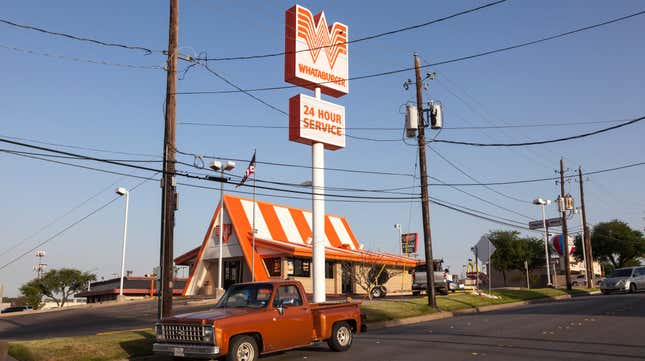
71,226
483,199
192,176
474,179
273,107
79,60
205,65
74,157
532,125
78,38
369,37
454,60
289,165
348,170
55,220
81,147
541,141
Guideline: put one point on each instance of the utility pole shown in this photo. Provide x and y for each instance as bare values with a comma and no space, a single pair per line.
586,236
169,195
565,239
425,200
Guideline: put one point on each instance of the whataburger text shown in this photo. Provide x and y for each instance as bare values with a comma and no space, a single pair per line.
314,120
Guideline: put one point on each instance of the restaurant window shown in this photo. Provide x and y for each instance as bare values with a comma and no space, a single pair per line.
274,266
329,269
299,267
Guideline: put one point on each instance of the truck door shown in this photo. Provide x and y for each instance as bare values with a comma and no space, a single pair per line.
295,325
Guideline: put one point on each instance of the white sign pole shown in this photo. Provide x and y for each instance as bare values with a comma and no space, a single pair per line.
318,217
546,247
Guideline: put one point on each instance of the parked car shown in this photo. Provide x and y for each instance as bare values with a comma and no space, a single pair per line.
258,318
16,309
419,281
628,279
579,280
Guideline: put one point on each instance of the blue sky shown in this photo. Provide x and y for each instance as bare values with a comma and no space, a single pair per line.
592,76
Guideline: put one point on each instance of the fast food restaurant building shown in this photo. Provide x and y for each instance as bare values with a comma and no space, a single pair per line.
283,250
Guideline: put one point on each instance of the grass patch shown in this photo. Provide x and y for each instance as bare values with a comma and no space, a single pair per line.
380,310
102,347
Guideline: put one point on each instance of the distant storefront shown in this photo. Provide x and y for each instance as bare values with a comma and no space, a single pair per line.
133,288
283,250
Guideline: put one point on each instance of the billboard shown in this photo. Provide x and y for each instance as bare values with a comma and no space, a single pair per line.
409,242
316,54
313,120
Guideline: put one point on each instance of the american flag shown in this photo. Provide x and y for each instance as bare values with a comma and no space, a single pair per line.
250,170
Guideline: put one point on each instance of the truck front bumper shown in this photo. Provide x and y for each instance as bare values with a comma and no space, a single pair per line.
181,350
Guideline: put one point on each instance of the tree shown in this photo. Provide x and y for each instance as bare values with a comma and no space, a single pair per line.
56,285
616,243
512,251
369,272
31,295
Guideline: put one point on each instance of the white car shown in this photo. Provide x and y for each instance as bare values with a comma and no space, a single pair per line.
628,279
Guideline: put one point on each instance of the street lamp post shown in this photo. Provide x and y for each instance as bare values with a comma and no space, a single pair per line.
123,192
544,203
398,227
218,166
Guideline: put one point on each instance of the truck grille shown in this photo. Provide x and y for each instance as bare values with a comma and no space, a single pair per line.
182,333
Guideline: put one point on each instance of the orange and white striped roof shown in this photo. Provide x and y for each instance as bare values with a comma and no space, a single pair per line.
287,224
288,230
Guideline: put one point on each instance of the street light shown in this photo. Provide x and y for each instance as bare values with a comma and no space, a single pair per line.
123,192
398,227
218,166
544,203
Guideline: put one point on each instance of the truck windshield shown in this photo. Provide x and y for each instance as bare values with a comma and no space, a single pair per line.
250,295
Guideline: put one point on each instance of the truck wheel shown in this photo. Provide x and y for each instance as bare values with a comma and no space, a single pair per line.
632,288
341,337
416,293
243,348
377,292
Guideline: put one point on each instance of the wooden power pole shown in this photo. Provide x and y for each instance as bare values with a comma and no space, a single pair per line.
168,193
565,240
425,200
586,237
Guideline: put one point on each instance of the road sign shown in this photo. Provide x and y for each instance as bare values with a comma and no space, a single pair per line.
409,243
484,249
551,222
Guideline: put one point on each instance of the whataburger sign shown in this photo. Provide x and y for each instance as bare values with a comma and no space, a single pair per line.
316,56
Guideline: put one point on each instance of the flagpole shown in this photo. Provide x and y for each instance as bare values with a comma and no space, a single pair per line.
253,232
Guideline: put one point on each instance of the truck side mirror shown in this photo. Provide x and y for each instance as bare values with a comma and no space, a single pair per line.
280,309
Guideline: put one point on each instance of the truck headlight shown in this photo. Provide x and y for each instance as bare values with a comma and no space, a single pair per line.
159,333
208,334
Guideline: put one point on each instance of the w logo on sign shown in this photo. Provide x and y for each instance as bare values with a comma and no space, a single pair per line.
306,36
318,36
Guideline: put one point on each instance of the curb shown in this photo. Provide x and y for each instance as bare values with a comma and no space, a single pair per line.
446,314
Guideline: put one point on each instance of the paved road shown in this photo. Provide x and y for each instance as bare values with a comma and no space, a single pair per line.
584,328
87,321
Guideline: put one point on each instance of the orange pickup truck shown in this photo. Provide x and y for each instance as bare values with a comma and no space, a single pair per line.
257,318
